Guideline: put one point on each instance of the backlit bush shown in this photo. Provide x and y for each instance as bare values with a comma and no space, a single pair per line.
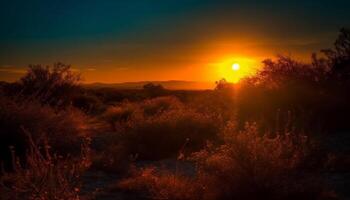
118,115
249,165
52,85
254,166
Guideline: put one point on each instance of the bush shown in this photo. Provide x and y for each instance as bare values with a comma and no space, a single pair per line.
116,116
88,103
315,92
254,166
158,128
161,136
119,115
50,85
219,103
160,104
63,130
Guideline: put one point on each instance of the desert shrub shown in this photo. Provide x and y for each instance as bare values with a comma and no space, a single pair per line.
64,130
160,104
119,114
253,166
117,147
132,111
45,175
88,103
50,85
163,135
157,128
161,184
219,103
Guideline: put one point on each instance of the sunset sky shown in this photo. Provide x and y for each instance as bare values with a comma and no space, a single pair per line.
134,40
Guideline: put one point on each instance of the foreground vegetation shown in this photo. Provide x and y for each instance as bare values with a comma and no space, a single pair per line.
261,139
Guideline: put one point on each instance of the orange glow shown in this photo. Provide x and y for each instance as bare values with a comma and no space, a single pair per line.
207,67
235,68
205,61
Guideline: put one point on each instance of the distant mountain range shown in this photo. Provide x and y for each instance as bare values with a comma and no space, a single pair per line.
171,85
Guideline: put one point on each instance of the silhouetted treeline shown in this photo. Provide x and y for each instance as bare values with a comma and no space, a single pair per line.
314,94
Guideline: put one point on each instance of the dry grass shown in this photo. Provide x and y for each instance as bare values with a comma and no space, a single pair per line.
44,176
128,111
157,184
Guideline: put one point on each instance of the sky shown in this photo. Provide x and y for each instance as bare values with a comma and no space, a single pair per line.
135,40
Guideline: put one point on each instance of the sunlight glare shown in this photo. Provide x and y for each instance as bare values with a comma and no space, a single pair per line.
235,67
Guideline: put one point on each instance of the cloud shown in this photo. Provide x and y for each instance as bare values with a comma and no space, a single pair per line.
11,69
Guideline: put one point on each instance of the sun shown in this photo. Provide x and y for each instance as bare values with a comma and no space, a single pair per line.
235,66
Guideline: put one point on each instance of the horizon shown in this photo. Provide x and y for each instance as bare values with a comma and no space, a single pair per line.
167,84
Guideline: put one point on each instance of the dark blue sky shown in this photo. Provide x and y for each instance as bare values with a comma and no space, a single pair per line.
137,36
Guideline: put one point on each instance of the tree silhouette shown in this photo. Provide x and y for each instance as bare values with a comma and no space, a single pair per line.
222,84
339,57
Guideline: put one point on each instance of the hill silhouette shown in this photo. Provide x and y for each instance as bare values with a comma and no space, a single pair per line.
171,85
